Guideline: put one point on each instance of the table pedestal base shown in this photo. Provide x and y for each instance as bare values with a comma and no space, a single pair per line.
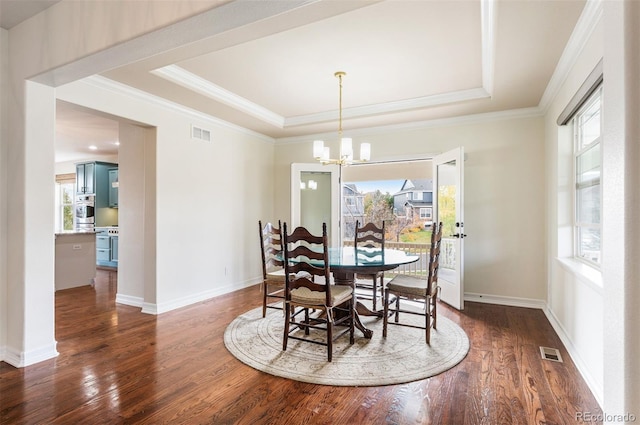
348,278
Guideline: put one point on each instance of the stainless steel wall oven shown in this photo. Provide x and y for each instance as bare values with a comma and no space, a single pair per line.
85,218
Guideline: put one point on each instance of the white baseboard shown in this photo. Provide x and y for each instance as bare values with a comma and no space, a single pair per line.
18,358
596,389
202,296
152,308
129,300
509,301
149,308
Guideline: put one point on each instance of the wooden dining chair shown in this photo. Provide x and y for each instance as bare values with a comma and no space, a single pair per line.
311,301
370,236
272,265
408,287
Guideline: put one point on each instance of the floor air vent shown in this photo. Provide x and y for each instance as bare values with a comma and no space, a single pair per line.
551,354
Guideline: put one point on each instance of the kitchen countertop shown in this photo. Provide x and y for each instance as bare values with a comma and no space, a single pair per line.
75,232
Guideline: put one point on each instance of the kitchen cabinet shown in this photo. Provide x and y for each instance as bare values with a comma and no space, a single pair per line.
113,188
93,178
106,248
85,178
114,249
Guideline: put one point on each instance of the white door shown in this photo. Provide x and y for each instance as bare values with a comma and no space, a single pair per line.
315,199
448,178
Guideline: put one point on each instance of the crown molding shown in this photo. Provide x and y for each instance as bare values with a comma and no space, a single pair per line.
591,14
197,84
419,125
104,83
390,107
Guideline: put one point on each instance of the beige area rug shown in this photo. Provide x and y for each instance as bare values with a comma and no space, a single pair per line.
401,357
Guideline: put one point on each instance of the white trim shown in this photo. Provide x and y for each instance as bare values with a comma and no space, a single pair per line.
390,107
584,273
596,389
26,358
199,85
129,300
417,125
191,81
205,87
585,26
196,298
124,90
508,301
488,16
149,308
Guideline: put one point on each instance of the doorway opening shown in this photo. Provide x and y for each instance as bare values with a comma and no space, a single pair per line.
400,193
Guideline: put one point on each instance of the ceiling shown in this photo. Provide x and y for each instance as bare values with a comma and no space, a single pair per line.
406,61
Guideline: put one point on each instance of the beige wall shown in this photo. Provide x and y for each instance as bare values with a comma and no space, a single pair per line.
504,197
55,57
208,198
4,86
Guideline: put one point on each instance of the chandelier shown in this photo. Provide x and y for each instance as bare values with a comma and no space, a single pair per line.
322,153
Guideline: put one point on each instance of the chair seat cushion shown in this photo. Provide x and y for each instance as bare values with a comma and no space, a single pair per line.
368,276
276,276
406,284
339,294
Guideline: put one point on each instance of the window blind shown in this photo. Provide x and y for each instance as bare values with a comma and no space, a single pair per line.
586,89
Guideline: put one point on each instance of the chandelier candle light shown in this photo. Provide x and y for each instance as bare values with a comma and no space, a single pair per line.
322,152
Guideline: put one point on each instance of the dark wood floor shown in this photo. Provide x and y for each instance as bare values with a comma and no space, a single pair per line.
117,365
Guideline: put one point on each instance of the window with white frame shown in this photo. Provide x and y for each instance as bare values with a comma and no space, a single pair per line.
587,127
65,190
426,213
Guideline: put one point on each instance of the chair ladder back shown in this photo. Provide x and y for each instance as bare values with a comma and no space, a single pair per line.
271,247
434,256
369,235
304,252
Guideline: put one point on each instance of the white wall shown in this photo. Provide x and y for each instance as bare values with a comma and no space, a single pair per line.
575,304
209,197
55,58
504,198
132,213
621,207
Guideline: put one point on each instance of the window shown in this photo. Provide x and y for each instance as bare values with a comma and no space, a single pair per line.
587,128
425,213
417,196
65,190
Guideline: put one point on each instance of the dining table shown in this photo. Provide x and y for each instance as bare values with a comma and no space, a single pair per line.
346,261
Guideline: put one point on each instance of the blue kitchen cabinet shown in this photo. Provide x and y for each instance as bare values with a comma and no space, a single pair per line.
113,188
106,248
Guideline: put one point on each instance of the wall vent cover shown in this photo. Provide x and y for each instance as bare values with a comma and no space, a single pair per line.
199,133
551,354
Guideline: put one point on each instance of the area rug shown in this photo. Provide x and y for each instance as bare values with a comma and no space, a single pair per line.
401,357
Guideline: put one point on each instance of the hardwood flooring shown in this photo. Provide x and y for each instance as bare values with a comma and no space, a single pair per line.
117,365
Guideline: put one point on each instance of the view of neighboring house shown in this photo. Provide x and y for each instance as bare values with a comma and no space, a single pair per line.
415,199
352,208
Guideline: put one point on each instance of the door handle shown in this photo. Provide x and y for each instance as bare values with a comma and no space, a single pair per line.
459,235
